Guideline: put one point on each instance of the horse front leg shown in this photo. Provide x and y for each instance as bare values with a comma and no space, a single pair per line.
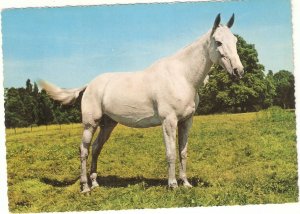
183,131
169,126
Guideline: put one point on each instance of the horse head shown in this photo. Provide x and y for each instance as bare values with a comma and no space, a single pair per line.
222,48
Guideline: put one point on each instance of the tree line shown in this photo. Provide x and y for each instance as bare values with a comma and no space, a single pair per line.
28,106
255,91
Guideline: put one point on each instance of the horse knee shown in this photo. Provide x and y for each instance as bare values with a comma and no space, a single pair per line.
86,141
183,154
93,176
171,157
88,135
83,152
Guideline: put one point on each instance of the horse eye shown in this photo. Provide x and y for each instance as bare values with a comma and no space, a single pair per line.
218,43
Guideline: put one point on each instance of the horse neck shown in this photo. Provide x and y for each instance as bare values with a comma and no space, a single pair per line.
196,59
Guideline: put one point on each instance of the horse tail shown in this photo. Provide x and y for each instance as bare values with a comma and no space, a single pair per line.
65,96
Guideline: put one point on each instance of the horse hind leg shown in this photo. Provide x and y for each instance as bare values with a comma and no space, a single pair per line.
91,115
106,127
84,150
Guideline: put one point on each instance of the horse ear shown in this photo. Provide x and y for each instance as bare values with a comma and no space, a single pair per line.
231,21
216,24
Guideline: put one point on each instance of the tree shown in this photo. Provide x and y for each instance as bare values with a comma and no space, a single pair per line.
271,90
223,93
35,90
30,103
28,86
285,90
15,115
45,109
67,113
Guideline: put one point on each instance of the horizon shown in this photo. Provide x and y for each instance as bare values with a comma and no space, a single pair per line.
92,40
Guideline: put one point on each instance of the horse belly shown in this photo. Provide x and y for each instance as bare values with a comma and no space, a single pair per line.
128,100
136,122
138,116
132,112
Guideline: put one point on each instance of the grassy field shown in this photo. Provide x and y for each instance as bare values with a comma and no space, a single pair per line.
232,160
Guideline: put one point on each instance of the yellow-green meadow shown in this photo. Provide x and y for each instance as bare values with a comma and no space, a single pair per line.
233,159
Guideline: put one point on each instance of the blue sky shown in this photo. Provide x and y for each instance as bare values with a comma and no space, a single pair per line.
69,46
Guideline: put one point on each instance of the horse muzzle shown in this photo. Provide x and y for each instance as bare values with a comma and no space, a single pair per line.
234,71
238,72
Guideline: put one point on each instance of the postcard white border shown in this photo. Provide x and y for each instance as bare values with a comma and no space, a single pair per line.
278,208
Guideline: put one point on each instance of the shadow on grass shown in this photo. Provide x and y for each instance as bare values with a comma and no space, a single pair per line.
116,181
57,183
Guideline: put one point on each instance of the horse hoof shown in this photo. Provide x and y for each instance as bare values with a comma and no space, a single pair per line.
85,189
94,185
187,185
173,186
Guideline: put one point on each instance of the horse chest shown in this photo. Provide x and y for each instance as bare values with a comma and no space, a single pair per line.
182,108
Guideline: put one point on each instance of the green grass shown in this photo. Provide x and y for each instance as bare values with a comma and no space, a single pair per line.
233,160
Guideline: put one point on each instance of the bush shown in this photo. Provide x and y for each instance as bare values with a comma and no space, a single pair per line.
275,114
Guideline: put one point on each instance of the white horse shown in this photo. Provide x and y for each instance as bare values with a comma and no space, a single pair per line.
163,94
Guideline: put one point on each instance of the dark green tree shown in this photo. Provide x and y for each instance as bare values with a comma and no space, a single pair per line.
15,115
285,89
30,103
35,90
45,109
270,90
66,113
222,93
28,86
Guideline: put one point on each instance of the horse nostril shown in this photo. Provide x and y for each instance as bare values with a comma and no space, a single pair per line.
235,71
